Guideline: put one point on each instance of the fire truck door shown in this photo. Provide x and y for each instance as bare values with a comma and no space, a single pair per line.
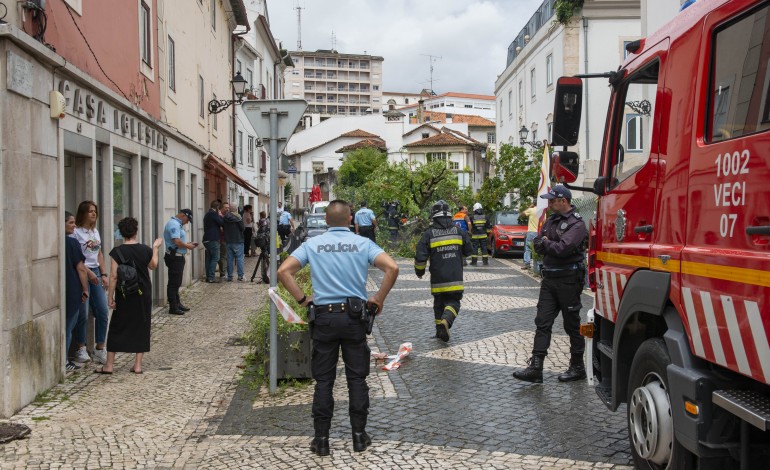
630,168
726,261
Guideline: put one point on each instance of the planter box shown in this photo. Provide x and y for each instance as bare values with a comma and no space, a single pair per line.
294,352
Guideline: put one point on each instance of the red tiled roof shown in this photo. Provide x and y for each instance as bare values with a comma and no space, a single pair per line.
366,143
359,133
420,127
442,139
472,120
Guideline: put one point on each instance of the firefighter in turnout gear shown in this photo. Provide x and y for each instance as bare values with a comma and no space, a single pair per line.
479,233
561,242
446,246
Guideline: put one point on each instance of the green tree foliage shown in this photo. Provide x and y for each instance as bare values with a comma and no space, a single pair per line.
359,164
519,172
566,9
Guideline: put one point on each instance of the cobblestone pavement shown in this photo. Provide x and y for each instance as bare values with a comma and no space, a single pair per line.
450,405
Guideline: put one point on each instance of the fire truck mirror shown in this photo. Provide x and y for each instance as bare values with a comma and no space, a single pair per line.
566,111
565,166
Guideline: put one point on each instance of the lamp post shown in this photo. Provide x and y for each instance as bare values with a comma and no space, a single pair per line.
239,87
523,133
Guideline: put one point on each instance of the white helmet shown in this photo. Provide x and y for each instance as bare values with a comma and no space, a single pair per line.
477,206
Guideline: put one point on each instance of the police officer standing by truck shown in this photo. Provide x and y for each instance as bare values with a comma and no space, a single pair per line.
339,314
561,242
446,246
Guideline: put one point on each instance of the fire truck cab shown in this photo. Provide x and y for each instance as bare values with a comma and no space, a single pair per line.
679,250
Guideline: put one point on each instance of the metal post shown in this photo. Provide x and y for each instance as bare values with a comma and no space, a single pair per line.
274,161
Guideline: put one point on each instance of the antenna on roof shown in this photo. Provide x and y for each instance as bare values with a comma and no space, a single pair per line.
299,26
432,59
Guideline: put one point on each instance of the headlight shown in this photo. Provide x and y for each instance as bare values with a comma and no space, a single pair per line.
503,237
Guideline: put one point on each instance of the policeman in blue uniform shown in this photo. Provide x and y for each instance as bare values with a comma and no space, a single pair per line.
339,262
176,248
366,223
561,242
446,246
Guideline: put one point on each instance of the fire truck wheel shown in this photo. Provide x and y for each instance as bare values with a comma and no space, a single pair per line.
649,417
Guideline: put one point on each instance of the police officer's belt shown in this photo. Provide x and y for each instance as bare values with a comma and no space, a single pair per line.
331,308
561,271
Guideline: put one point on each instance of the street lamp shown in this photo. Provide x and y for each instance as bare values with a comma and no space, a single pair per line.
523,133
239,87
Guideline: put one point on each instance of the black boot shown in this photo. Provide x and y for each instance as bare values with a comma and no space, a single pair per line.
576,370
183,308
533,373
442,331
486,261
320,445
361,439
174,309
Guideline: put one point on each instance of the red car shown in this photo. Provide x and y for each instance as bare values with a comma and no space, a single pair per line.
507,235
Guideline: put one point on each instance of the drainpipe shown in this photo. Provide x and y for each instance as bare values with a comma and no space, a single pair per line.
585,70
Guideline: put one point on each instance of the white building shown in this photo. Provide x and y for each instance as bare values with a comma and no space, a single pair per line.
593,41
260,61
454,103
335,84
317,152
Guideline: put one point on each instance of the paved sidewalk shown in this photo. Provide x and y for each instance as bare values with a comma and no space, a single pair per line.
449,406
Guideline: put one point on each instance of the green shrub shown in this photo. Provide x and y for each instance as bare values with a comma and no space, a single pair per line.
257,336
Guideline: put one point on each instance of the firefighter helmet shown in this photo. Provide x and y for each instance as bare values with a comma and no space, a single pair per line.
440,209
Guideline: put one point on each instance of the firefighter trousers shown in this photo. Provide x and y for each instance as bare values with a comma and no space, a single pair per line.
559,294
446,306
479,244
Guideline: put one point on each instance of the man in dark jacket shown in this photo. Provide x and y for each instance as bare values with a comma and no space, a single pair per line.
233,228
561,242
212,227
446,246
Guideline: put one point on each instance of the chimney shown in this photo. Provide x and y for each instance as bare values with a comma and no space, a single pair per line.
419,111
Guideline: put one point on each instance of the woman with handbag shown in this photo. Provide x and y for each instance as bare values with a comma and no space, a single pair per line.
130,326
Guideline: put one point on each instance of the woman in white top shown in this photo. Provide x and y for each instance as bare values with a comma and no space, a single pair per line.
90,242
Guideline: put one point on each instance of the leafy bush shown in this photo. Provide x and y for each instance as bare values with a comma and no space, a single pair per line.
257,336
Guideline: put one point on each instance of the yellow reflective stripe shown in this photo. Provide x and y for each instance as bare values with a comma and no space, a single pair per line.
727,273
446,242
626,260
438,322
711,271
420,266
479,236
454,312
446,289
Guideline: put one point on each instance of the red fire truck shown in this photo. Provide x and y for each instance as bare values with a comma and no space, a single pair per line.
679,250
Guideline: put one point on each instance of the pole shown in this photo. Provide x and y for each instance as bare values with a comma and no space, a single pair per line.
274,161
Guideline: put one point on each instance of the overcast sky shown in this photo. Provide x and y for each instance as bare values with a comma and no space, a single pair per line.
471,37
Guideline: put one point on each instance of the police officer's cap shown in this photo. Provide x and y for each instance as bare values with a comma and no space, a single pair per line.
440,209
558,191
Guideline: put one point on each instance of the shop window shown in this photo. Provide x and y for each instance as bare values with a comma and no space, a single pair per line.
121,196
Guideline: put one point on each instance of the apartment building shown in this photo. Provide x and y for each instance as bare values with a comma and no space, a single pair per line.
335,84
593,41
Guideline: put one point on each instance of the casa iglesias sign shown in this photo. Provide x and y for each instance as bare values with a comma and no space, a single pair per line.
86,105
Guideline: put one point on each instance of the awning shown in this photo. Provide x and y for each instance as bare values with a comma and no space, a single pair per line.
218,166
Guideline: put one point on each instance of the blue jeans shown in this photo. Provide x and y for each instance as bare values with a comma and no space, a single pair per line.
97,299
235,250
212,258
72,315
527,254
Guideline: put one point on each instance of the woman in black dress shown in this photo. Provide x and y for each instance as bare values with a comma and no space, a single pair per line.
130,324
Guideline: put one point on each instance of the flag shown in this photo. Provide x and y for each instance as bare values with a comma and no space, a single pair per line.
287,312
543,187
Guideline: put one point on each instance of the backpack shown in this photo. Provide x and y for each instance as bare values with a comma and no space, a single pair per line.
128,277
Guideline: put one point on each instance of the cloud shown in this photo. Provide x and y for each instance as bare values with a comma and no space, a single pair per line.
470,37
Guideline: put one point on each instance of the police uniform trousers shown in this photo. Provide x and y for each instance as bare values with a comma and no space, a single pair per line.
284,231
479,244
368,232
446,306
559,293
332,331
175,266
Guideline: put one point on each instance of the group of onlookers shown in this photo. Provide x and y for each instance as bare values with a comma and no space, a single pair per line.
228,238
89,285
